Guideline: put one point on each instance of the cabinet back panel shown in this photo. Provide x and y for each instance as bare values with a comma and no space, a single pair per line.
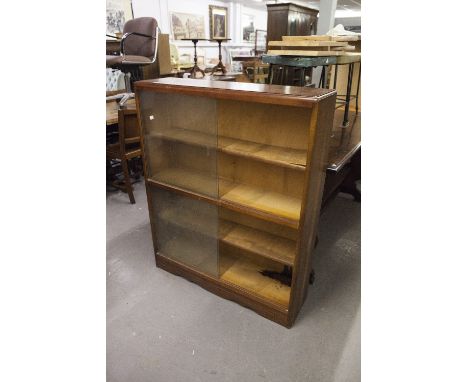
193,157
162,111
262,225
171,123
275,125
240,268
193,168
262,175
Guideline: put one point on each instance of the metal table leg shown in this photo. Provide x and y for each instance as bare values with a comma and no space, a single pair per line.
357,91
348,94
348,98
336,76
323,77
302,81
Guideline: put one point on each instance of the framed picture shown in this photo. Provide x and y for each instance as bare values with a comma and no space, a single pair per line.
248,28
260,41
218,22
117,13
187,25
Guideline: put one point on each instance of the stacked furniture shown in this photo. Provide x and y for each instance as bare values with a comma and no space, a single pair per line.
234,175
321,45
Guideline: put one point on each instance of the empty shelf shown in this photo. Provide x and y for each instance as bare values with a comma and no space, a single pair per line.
252,240
188,179
269,202
258,242
280,207
245,273
281,156
191,137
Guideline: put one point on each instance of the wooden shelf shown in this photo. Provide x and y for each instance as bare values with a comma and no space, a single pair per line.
280,156
271,203
189,180
190,137
252,240
258,242
277,207
245,273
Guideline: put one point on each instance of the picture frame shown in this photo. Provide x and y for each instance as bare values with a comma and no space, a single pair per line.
248,28
117,13
187,25
260,41
218,22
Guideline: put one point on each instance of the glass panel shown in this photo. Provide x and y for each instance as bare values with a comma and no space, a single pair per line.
181,138
186,230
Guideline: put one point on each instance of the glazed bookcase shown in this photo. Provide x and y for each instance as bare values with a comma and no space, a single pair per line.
234,176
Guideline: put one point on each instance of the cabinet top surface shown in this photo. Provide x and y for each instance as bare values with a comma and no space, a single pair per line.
278,94
291,5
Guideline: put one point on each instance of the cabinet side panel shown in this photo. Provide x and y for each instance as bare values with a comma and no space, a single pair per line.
319,141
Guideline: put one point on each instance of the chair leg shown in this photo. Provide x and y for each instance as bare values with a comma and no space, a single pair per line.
128,184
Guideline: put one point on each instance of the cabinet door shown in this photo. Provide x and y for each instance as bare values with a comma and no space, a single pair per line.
180,134
186,230
180,141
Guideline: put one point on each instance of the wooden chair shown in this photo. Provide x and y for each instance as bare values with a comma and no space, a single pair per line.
128,147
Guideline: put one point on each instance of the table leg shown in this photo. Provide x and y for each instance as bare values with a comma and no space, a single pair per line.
282,70
219,66
336,77
348,93
302,82
323,77
357,91
348,98
195,69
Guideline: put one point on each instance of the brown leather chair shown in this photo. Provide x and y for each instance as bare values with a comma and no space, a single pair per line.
138,47
128,147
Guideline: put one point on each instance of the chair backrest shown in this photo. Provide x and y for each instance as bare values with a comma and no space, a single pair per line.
129,128
139,45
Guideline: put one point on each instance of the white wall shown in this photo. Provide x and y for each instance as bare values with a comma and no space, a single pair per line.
160,9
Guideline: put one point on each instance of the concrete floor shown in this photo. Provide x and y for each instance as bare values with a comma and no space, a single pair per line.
162,328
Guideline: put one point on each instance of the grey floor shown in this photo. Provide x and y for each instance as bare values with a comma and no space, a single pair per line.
161,327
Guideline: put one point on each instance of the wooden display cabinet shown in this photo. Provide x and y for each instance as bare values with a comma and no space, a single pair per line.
289,19
234,176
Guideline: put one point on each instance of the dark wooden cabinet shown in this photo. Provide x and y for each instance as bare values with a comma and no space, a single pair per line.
290,19
234,175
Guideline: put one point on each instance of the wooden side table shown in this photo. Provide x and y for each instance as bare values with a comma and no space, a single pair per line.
220,66
195,69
